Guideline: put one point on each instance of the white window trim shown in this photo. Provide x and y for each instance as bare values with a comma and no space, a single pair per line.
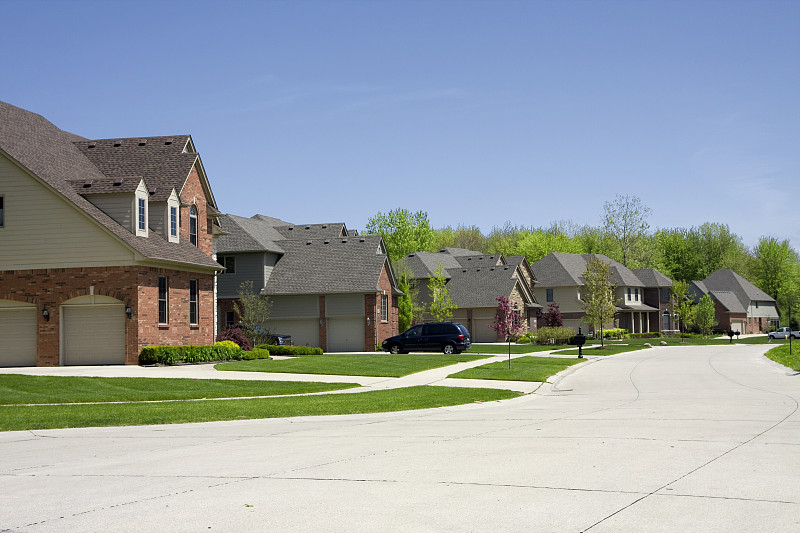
2,211
141,194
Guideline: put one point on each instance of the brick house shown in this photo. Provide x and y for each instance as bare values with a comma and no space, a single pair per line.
105,245
328,286
739,305
474,282
643,295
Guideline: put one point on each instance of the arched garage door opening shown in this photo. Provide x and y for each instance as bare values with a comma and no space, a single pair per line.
17,333
93,331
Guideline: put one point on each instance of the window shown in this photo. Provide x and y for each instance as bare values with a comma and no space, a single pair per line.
193,297
665,296
2,205
173,221
142,215
163,300
193,225
228,319
549,295
384,308
229,262
636,292
629,294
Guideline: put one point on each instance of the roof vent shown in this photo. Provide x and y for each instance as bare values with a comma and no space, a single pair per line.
492,269
117,182
362,239
324,226
152,191
344,241
290,228
143,142
117,144
308,227
92,144
168,142
326,241
478,270
308,242
88,183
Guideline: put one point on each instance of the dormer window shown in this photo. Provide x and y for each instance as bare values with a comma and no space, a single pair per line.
2,211
193,225
173,222
142,214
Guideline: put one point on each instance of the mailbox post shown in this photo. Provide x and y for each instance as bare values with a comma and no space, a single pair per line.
730,334
580,340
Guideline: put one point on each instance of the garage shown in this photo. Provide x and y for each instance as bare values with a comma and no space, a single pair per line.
304,331
346,334
18,333
93,331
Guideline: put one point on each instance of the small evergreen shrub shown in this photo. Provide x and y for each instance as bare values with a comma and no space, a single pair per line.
171,355
554,335
235,335
290,350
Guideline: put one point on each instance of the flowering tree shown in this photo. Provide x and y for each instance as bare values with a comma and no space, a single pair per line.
507,320
552,318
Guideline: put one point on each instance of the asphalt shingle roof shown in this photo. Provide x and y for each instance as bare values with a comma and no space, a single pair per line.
328,266
728,280
248,235
53,155
558,269
651,277
480,287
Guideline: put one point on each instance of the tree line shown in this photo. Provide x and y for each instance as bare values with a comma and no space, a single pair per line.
684,254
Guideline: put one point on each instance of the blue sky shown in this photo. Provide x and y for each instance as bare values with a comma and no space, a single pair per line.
476,112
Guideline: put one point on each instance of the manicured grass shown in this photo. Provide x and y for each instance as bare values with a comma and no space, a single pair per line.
780,354
515,348
522,369
606,350
369,364
20,389
18,417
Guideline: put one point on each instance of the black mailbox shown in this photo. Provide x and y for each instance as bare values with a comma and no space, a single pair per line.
580,340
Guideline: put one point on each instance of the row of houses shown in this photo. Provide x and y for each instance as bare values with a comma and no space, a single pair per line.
110,245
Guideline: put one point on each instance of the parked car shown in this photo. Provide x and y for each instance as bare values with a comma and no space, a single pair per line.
784,333
447,337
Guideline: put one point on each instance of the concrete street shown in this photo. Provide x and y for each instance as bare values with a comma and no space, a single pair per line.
667,439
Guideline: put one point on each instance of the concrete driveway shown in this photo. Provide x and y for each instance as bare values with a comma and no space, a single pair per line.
669,439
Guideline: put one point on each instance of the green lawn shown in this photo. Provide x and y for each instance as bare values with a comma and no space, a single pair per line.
605,350
19,417
515,348
522,369
21,389
368,364
780,354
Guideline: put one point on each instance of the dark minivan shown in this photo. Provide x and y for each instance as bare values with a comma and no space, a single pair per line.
447,337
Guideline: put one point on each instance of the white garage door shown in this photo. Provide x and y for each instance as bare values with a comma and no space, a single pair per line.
346,334
737,326
304,331
17,334
93,331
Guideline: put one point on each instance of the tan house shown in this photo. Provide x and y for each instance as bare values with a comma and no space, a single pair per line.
329,287
643,296
105,245
475,281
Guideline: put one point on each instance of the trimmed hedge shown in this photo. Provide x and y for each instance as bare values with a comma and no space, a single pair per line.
171,355
554,335
646,335
290,350
614,333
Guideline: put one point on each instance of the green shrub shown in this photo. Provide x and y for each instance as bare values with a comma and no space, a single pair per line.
255,353
229,344
554,335
614,333
645,335
170,355
290,350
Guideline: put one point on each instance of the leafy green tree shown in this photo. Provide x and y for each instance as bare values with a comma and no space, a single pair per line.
405,307
403,232
626,219
441,307
682,303
773,264
253,310
536,244
598,295
704,316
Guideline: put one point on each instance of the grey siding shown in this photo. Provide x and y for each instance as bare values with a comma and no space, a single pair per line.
249,267
294,306
117,206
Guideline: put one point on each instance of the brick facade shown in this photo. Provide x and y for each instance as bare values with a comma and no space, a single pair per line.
133,286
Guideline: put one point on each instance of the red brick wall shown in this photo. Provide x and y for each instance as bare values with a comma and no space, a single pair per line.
178,330
193,193
134,286
390,327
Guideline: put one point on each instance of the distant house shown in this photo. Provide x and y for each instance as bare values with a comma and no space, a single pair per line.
329,287
739,305
105,245
643,295
474,283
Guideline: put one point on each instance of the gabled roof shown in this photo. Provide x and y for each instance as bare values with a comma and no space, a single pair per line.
329,266
480,287
651,277
558,269
163,162
422,264
51,155
728,280
248,235
729,300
